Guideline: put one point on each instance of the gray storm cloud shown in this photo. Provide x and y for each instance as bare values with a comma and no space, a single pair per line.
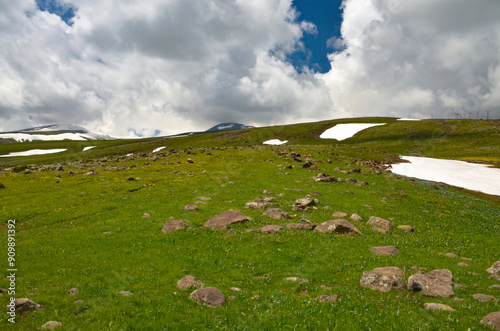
182,65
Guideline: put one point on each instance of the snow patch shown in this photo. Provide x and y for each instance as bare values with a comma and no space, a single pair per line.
35,152
22,137
344,131
87,148
158,149
275,142
408,119
223,127
471,176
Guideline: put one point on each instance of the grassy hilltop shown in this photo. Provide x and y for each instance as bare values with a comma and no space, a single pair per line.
82,226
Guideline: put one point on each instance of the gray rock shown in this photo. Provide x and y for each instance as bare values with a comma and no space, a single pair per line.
324,178
495,287
380,222
229,217
209,296
188,282
266,192
383,279
380,230
437,283
174,226
337,226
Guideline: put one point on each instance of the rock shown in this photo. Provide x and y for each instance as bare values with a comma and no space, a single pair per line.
495,277
492,319
495,268
356,217
188,282
91,173
300,226
73,291
383,279
408,228
204,198
351,180
437,306
23,305
276,213
484,297
437,283
130,179
126,293
305,204
339,214
236,289
463,264
108,233
327,298
271,229
495,287
2,186
362,184
146,215
266,192
297,279
229,217
324,178
258,205
51,325
174,226
384,250
190,208
78,302
189,160
210,296
380,222
308,164
380,230
452,255
337,226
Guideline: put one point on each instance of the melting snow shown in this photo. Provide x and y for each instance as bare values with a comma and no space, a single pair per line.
21,137
158,149
408,119
344,131
471,176
35,152
87,148
223,127
276,142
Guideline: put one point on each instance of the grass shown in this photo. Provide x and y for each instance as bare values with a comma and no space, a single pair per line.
60,240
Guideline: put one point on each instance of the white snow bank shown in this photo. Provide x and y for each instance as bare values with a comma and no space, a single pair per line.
408,119
471,176
35,152
21,137
158,149
275,142
344,131
87,148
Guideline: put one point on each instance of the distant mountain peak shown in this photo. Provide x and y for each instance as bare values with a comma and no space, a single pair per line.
226,126
53,132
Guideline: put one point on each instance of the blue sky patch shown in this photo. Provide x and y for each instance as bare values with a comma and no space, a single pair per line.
65,11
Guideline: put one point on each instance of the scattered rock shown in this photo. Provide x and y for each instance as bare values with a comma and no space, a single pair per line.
337,226
258,205
380,230
324,287
276,213
23,305
437,283
495,277
108,233
126,293
300,226
73,291
190,208
174,226
463,264
362,184
383,279
492,319
271,229
484,297
188,282
408,228
339,214
384,250
380,222
146,215
324,178
266,192
495,268
51,325
204,198
327,298
236,289
495,287
210,296
297,279
437,306
356,217
305,204
452,255
229,217
91,173
189,160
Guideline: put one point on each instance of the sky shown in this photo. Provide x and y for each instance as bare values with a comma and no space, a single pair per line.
161,67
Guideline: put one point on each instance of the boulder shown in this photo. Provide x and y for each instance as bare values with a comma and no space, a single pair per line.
452,255
190,208
300,226
495,268
492,320
408,228
383,279
437,283
228,217
437,306
23,305
337,226
324,178
305,204
209,296
380,222
339,214
257,205
484,297
188,281
276,213
271,229
328,298
356,217
51,325
174,226
384,250
265,191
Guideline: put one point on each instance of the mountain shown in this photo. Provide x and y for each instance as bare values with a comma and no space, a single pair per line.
52,132
228,126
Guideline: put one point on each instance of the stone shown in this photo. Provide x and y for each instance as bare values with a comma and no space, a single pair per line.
91,173
108,233
189,281
380,222
257,205
437,283
297,279
276,213
190,208
23,305
492,319
324,178
300,226
126,293
228,217
484,297
272,229
463,264
383,279
362,184
495,268
174,226
236,289
437,306
204,198
407,228
51,325
2,186
356,217
78,302
189,160
146,215
380,230
495,277
495,287
337,226
266,192
209,296
305,204
384,250
73,291
452,255
339,214
328,298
